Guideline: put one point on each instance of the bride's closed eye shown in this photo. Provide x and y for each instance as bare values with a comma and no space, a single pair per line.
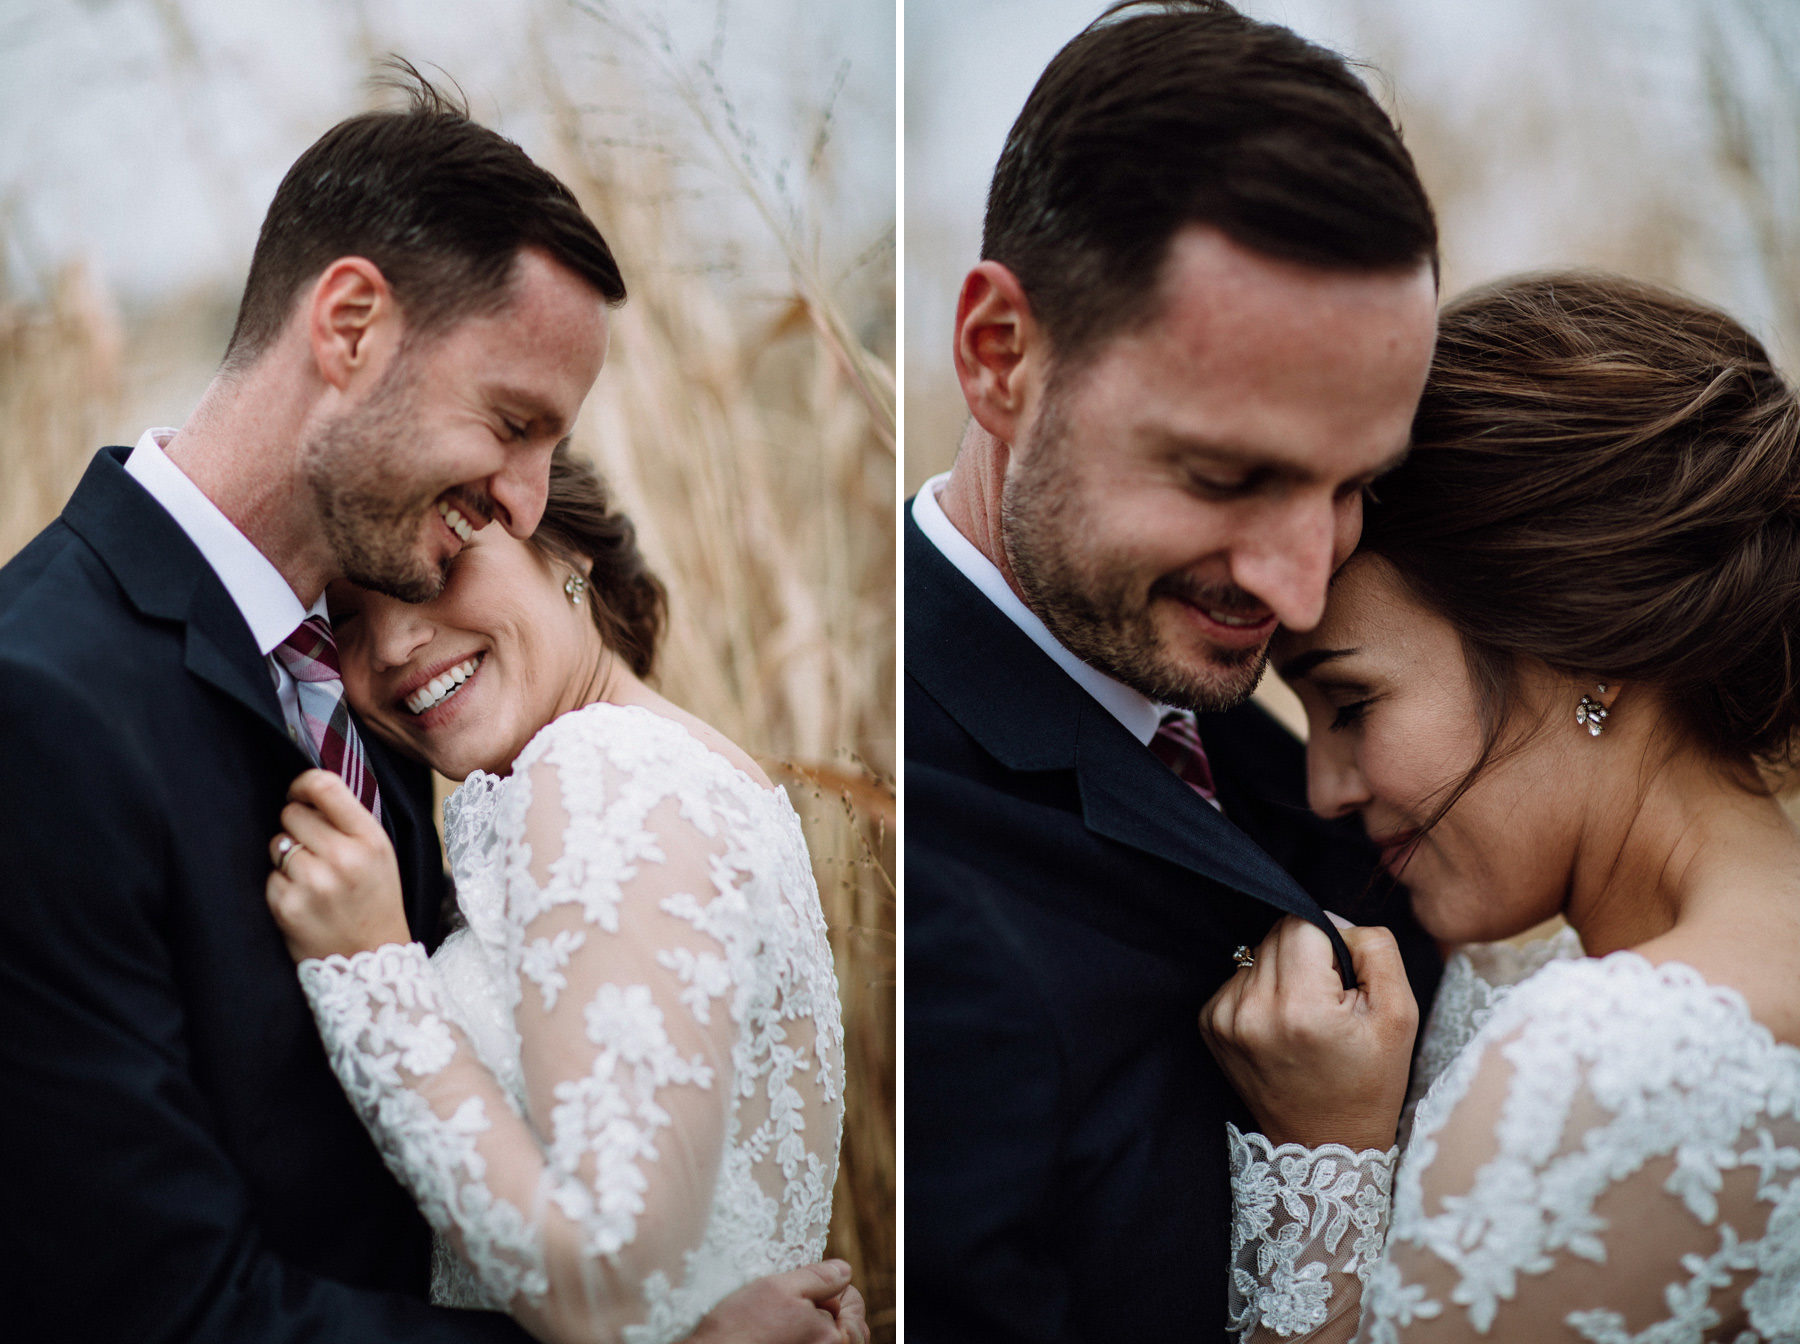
1347,701
1348,715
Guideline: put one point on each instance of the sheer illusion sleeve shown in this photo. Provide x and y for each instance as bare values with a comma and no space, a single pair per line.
645,1026
1614,1158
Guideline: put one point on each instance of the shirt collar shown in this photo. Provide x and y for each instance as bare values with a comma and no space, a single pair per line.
269,606
1139,714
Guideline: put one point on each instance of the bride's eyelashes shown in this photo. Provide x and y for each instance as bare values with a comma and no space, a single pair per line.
1346,701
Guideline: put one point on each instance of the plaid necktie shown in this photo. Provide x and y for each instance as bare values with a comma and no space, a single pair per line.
311,655
1177,745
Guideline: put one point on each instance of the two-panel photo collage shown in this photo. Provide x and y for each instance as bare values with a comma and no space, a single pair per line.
856,671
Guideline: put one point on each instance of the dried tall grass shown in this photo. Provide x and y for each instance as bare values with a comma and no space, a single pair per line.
61,373
757,456
755,451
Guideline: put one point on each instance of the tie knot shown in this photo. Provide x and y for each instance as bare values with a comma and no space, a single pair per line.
1177,745
310,653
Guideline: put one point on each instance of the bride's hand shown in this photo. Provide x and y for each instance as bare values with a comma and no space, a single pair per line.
336,884
1317,1063
814,1304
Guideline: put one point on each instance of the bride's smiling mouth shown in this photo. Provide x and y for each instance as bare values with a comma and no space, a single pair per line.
441,686
1396,848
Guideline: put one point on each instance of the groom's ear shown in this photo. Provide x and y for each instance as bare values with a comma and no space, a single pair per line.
1001,354
353,323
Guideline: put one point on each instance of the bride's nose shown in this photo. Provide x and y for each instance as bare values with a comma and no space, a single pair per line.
395,632
1334,782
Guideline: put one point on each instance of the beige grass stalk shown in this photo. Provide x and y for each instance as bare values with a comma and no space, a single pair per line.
755,452
60,378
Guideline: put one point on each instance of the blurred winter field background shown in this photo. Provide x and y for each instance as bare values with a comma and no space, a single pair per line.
739,157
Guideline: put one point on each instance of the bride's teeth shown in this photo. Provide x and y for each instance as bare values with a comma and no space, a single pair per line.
440,687
458,524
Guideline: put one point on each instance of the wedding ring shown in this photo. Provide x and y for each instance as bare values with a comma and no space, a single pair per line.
285,848
1244,956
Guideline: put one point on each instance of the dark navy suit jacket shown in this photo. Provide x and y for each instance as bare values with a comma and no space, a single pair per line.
181,1163
1069,905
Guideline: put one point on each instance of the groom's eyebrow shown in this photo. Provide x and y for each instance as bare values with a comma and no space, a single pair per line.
1304,664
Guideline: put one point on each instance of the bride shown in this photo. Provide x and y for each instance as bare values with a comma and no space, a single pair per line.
617,1091
1557,678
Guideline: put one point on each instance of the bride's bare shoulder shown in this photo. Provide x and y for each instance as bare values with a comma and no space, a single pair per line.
1759,958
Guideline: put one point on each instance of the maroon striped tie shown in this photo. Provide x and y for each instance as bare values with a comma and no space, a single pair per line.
1177,745
311,655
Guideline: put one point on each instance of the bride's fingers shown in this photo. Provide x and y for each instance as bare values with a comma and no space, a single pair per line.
1304,963
280,847
816,1282
1219,1013
1381,971
312,829
852,1317
327,792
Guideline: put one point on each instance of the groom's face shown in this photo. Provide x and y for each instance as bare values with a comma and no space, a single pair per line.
457,434
1193,483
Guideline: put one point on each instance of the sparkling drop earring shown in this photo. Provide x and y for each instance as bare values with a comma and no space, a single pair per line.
575,586
1591,714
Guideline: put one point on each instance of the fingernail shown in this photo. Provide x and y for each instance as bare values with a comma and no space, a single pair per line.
1339,920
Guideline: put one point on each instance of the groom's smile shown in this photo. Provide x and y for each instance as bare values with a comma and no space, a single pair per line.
1192,484
457,433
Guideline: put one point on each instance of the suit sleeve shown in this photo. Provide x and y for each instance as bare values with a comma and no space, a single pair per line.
126,1217
984,1089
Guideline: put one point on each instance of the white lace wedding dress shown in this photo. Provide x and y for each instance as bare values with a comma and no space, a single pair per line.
1604,1150
617,1092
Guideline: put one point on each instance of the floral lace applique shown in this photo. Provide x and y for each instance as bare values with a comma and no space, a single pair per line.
1292,1200
618,1093
1613,1113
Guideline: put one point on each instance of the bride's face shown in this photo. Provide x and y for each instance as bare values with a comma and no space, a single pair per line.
463,682
1394,727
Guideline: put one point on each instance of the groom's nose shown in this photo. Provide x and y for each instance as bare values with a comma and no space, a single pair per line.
520,488
1288,558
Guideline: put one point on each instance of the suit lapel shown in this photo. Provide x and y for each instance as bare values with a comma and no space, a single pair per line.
1029,715
166,578
1152,810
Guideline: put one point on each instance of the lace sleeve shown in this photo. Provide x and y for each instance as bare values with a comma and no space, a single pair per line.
1476,979
1307,1231
1614,1159
626,918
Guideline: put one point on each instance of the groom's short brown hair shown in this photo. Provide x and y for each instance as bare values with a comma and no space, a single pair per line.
439,203
1174,112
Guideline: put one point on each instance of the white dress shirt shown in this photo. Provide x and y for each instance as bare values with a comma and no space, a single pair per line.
269,606
1137,711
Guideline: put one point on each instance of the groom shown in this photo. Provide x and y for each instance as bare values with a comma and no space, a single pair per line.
425,312
1202,319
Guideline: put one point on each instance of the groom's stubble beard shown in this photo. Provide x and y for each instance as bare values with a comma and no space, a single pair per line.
354,467
1095,601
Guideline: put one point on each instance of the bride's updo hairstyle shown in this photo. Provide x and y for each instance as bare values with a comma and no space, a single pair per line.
1605,478
627,600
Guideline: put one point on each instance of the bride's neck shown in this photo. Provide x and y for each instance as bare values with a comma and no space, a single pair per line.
1697,857
614,683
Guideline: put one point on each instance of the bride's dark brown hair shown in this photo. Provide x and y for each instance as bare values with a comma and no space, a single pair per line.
628,601
1605,477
